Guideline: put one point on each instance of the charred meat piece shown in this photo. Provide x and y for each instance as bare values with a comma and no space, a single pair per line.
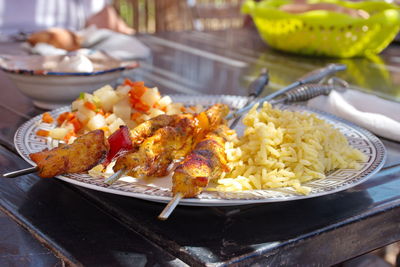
83,154
157,152
206,162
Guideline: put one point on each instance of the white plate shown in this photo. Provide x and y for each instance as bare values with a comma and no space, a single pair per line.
158,189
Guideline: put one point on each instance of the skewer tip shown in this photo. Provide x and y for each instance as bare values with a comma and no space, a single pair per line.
20,172
170,207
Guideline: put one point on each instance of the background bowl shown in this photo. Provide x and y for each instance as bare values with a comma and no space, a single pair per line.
324,32
48,89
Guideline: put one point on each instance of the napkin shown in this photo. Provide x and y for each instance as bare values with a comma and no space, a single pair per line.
117,45
376,114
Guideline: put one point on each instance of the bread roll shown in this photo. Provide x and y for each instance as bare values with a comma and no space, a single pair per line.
58,37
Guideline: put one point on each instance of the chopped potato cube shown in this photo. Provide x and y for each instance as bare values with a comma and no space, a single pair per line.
115,125
58,133
122,109
96,122
110,119
150,97
107,97
154,112
84,114
123,90
77,104
175,108
165,101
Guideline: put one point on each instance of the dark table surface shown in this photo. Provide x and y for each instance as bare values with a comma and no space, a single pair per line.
49,222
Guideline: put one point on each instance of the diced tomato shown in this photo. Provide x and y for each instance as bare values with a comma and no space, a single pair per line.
120,142
133,101
137,91
133,84
77,124
43,133
90,105
100,111
61,118
70,116
135,116
142,107
47,118
66,116
69,135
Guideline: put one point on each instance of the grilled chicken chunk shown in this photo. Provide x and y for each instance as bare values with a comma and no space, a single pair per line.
157,152
206,162
148,128
83,154
216,114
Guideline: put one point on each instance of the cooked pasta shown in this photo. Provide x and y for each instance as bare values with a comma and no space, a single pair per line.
281,148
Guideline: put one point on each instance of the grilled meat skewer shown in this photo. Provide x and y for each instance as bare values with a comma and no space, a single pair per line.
83,154
206,162
168,143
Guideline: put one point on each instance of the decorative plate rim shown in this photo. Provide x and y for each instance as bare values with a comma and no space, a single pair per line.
215,198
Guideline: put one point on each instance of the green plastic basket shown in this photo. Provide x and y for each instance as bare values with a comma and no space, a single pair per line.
326,33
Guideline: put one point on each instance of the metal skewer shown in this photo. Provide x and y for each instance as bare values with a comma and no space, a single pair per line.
21,172
115,176
170,206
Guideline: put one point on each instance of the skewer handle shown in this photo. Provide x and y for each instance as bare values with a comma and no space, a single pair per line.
319,74
170,207
313,76
255,90
305,92
21,172
257,86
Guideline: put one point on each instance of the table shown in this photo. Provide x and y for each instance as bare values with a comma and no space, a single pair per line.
78,226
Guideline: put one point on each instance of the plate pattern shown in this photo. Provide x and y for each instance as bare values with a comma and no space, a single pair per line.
26,142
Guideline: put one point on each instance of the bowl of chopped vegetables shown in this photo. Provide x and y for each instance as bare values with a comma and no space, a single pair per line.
54,81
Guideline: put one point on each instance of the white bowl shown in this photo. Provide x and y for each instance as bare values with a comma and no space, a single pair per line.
49,89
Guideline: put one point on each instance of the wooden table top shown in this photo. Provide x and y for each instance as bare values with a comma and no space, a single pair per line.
80,226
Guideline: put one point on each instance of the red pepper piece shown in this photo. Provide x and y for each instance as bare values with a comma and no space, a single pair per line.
120,142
